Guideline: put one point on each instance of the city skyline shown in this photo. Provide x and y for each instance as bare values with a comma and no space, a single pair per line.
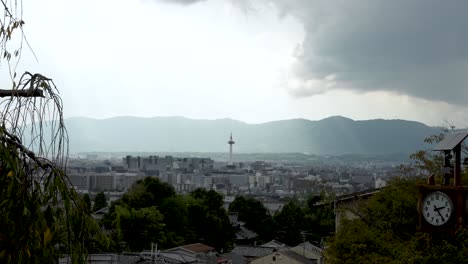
254,61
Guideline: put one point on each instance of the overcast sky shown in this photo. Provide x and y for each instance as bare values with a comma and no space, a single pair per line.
254,61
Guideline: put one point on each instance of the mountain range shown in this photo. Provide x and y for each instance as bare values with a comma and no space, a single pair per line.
334,135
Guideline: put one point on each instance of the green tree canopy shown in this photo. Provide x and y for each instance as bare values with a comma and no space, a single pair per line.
148,192
100,201
289,223
138,228
255,215
319,217
151,212
209,219
385,230
87,202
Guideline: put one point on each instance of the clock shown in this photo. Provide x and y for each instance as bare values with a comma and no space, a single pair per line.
437,208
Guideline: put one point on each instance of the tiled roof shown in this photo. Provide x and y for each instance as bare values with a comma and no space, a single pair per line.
198,248
308,246
274,244
252,251
245,233
297,257
177,258
235,258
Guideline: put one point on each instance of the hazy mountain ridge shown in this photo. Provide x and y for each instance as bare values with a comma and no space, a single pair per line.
333,135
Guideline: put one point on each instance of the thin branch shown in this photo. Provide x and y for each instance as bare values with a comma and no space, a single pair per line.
22,93
13,140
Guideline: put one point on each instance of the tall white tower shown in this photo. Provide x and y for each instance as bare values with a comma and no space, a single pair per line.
230,142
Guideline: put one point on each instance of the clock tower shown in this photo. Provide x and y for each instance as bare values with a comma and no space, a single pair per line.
444,207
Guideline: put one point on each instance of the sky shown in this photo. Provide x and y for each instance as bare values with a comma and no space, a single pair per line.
254,61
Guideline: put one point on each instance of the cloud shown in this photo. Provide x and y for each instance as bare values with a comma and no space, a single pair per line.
182,2
418,48
245,5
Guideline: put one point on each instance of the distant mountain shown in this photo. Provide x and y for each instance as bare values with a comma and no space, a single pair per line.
333,135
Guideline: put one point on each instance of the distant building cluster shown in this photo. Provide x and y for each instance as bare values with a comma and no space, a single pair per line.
270,181
160,165
120,177
270,252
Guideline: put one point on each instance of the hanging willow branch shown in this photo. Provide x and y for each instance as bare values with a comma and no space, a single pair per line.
41,216
37,120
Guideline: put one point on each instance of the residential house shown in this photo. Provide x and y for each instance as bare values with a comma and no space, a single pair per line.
309,251
284,256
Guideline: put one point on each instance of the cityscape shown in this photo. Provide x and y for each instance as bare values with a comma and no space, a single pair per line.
270,181
233,132
273,183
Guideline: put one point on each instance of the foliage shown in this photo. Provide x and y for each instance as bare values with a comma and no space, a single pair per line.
319,217
289,224
140,227
148,192
385,230
428,162
41,217
292,224
100,201
157,215
385,223
210,221
87,202
255,215
152,212
176,218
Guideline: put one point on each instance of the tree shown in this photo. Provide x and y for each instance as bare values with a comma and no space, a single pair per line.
41,217
87,202
176,219
289,223
100,201
255,215
212,199
209,219
151,212
140,227
135,221
319,217
148,192
385,230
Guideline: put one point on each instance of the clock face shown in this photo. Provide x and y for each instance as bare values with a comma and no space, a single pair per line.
437,208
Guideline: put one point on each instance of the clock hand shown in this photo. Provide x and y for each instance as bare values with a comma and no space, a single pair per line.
438,211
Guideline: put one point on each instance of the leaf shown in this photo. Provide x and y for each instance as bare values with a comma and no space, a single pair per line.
10,174
47,236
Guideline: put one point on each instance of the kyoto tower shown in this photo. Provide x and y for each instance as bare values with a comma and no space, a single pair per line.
230,142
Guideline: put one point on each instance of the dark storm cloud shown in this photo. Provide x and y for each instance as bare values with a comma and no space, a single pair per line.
417,47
